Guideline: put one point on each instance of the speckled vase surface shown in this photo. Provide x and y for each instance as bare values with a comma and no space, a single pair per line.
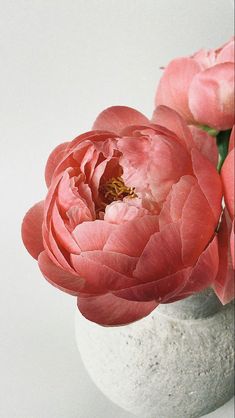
175,363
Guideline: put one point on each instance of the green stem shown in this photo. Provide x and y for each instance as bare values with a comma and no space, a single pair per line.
222,141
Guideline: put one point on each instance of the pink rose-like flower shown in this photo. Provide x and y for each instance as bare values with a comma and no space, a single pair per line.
130,216
201,87
224,283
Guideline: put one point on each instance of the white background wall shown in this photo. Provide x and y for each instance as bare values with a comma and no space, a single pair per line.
61,62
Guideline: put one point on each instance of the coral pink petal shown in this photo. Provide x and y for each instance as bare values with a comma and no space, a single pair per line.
224,282
32,230
197,227
227,174
118,262
205,270
161,290
130,238
61,255
54,159
173,206
209,182
116,118
99,277
78,147
211,96
174,85
161,256
170,119
63,236
93,235
232,245
227,53
109,310
206,144
58,277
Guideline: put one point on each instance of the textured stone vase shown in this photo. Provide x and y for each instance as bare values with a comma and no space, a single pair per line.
176,363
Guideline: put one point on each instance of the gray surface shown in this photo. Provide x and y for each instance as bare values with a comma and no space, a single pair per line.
61,63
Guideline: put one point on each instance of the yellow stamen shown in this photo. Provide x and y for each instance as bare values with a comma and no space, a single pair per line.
115,189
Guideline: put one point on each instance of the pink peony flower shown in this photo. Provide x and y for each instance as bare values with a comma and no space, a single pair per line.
201,87
224,283
130,216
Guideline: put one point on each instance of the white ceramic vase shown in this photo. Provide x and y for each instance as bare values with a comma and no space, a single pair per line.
175,363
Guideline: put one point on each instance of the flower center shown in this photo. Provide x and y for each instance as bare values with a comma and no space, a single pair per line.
115,189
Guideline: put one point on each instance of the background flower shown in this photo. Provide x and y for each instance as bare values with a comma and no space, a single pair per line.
201,87
224,283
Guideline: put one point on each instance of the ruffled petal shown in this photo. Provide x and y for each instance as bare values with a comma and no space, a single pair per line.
211,96
130,238
197,227
93,235
116,118
54,159
226,53
173,206
99,274
224,281
205,270
62,279
63,236
206,144
174,86
32,230
109,310
170,119
227,174
161,290
232,244
209,182
161,256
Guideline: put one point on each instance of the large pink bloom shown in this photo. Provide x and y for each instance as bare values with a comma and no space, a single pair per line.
224,283
201,87
130,216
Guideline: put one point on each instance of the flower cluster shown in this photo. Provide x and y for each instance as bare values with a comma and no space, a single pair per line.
137,212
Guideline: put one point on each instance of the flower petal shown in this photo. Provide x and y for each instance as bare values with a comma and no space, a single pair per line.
205,270
161,290
109,310
197,227
170,119
206,144
174,86
227,52
227,174
54,159
224,281
118,262
211,96
209,182
161,256
130,238
116,118
63,280
101,277
93,235
63,236
173,206
32,230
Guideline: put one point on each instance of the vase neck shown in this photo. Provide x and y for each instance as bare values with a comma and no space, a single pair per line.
200,305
